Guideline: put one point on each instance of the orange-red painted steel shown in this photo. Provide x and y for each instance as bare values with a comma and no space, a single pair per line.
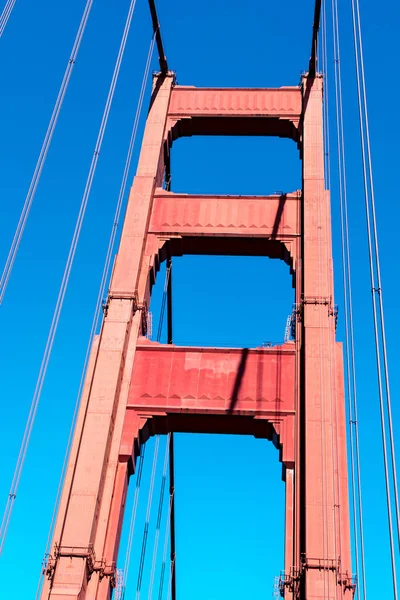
291,394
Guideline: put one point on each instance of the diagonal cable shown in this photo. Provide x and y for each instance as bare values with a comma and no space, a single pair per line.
348,314
5,15
376,292
12,254
63,287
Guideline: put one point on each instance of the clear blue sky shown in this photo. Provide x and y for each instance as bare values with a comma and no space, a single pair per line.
229,490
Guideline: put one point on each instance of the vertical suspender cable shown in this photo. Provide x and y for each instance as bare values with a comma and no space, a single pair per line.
63,287
171,590
169,302
5,15
43,152
376,286
101,293
348,312
169,533
171,440
166,540
167,297
170,526
133,521
172,585
159,516
171,450
164,300
147,521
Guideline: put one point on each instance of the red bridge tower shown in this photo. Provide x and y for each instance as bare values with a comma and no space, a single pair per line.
292,394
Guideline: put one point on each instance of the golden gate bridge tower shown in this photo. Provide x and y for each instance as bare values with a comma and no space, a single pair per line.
292,394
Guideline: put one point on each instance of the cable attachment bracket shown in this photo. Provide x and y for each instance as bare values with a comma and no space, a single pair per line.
290,582
92,565
322,564
324,300
136,306
105,569
119,296
348,582
333,309
86,553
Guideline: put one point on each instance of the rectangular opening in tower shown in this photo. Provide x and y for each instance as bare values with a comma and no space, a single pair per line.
235,165
234,301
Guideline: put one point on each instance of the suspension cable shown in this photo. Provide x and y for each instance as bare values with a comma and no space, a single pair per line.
159,516
63,288
147,521
15,244
348,313
5,15
325,97
377,291
376,286
101,293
